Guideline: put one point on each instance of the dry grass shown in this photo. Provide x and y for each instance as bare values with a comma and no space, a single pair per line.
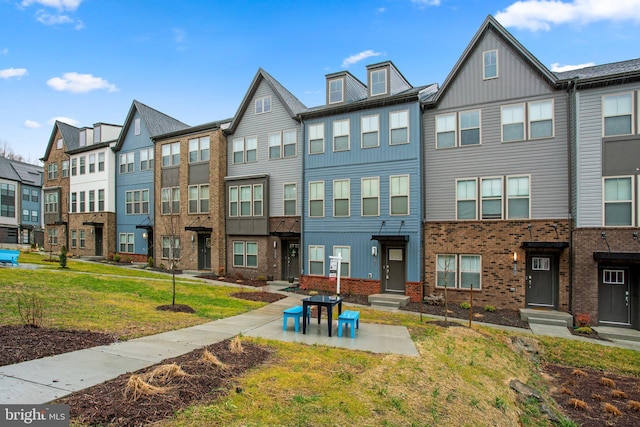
579,373
137,387
236,346
607,382
634,405
619,394
209,357
597,396
578,404
566,391
612,409
164,373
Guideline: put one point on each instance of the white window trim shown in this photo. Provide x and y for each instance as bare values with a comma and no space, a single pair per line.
524,123
475,180
362,132
279,145
348,181
484,67
321,127
262,99
342,262
408,194
635,215
295,144
348,134
506,196
340,79
315,200
386,82
633,114
455,130
362,197
553,118
459,278
459,128
407,127
484,178
458,272
310,260
284,199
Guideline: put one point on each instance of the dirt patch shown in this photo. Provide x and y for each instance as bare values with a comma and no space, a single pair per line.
268,297
176,308
19,343
256,283
165,388
594,398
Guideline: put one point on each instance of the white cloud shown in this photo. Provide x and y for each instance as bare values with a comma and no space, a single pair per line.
4,51
557,68
540,15
12,72
63,119
359,57
80,83
179,35
31,124
48,19
425,3
57,4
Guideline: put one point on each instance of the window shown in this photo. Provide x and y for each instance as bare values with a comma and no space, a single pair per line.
245,200
242,153
171,247
26,194
345,264
96,134
52,171
35,195
613,277
275,143
74,167
59,144
34,216
540,264
53,236
83,238
146,159
370,129
446,131
136,126
618,201
458,271
316,138
490,64
92,163
74,202
233,201
199,198
171,154
257,200
378,82
617,113
370,196
74,238
65,168
137,202
341,135
466,198
170,200
290,199
100,162
341,197
399,194
83,168
245,254
51,202
316,199
101,200
126,243
336,93
518,194
289,140
92,201
513,123
491,198
398,127
251,149
199,149
540,119
238,150
316,260
83,138
25,215
263,105
126,162
470,128
82,201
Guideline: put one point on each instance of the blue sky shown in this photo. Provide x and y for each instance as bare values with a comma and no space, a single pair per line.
85,61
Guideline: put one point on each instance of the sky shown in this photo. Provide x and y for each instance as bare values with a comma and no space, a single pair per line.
85,61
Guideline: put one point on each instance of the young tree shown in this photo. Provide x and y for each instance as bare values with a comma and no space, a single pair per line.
171,239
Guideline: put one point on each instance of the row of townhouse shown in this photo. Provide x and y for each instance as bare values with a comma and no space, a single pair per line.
21,220
508,179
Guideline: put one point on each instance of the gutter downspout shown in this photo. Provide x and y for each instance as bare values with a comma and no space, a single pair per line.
572,112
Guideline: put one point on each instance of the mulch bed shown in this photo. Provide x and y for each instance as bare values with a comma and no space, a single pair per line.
259,296
594,398
107,403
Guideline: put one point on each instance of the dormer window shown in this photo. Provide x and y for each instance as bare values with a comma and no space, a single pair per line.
490,64
263,105
336,91
96,134
378,82
83,138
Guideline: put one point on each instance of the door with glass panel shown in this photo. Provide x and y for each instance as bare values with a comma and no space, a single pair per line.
541,281
614,296
393,268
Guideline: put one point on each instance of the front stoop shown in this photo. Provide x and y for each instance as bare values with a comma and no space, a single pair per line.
613,333
388,300
546,317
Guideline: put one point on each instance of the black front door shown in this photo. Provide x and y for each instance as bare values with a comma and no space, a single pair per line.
290,259
393,268
204,252
542,281
98,240
614,296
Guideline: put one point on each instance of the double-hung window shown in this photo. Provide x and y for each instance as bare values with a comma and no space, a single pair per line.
51,202
370,196
136,126
399,194
92,201
316,138
101,201
199,149
469,277
74,238
490,64
618,201
470,127
513,123
617,114
370,131
491,198
245,150
245,254
518,197
170,200
289,140
137,202
446,267
74,166
341,135
316,199
466,198
25,214
263,105
336,92
74,202
171,154
82,202
126,242
257,200
233,201
290,199
251,149
275,145
458,271
378,82
198,198
541,119
83,161
341,197
316,260
65,168
171,247
398,127
83,238
101,161
126,163
35,195
52,171
238,150
446,131
245,200
343,252
7,200
146,159
92,163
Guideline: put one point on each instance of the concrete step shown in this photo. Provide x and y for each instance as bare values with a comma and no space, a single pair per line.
547,321
612,333
388,300
527,313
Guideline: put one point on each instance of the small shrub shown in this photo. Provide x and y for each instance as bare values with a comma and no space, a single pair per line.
235,346
607,382
116,257
579,373
578,404
583,319
62,258
465,305
597,397
161,266
31,309
587,330
150,262
126,259
619,394
261,278
489,308
220,271
566,391
634,405
612,409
